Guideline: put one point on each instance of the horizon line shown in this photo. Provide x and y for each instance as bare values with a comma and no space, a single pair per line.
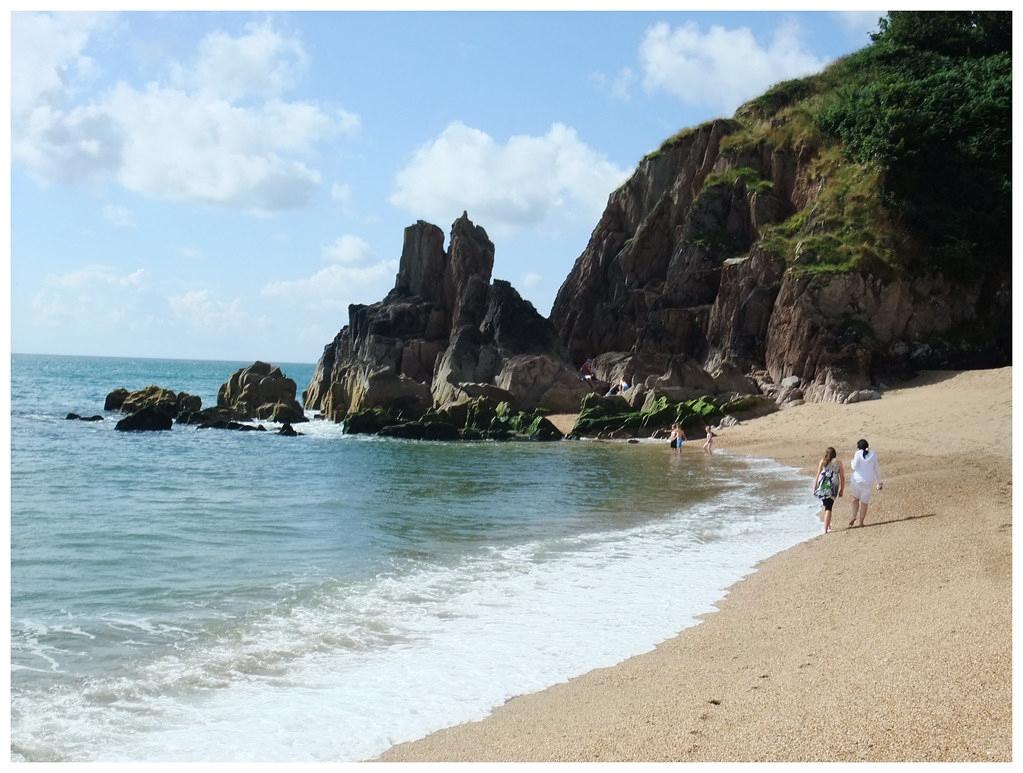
145,357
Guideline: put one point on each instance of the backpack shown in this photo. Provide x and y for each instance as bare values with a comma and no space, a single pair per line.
826,488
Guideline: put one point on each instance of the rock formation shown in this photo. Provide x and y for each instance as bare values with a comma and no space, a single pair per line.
444,335
260,391
795,239
145,419
165,401
689,264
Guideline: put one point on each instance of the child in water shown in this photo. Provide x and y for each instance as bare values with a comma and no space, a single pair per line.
708,444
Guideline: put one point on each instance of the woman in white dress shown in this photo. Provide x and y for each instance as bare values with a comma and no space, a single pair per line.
866,474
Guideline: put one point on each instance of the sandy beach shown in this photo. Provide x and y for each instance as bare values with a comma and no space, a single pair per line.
890,642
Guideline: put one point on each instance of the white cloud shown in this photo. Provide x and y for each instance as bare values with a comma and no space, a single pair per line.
47,53
96,296
203,312
259,63
96,275
193,253
335,286
859,24
348,250
531,280
722,67
218,132
549,180
620,86
118,217
355,274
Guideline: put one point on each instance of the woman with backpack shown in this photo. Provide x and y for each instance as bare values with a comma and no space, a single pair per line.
830,483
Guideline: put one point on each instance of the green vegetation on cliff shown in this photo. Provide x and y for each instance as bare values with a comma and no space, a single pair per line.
911,145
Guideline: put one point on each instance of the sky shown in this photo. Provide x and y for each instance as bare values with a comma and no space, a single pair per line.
223,185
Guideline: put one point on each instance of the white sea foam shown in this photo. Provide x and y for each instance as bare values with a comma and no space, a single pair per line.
349,670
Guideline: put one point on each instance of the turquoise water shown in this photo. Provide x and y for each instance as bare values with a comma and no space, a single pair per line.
214,595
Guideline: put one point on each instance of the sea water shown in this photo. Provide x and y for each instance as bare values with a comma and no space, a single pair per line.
228,596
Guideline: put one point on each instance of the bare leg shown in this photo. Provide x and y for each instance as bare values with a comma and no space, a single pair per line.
863,512
855,511
827,521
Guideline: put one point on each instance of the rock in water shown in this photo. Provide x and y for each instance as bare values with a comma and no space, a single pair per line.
288,431
115,399
166,401
97,417
260,391
145,420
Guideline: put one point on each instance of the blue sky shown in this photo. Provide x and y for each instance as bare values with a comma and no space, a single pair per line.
223,185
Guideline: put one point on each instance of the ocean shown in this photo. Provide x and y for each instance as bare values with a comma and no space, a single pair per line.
240,596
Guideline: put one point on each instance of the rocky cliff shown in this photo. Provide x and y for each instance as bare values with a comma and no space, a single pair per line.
754,244
836,234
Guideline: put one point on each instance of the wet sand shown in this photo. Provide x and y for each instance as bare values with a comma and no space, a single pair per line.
888,642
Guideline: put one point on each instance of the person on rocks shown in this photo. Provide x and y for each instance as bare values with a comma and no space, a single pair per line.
866,474
586,370
708,444
830,483
676,438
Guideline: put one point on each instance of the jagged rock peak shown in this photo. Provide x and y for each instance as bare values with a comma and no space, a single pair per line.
423,262
442,277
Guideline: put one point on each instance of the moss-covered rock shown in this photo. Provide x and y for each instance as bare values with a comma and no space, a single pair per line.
542,429
478,419
421,430
656,414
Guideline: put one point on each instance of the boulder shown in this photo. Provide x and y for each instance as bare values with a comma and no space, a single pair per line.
670,394
288,431
368,422
391,391
250,390
750,407
163,400
72,416
150,418
417,430
863,394
115,399
542,429
288,413
729,378
542,381
205,416
788,395
188,403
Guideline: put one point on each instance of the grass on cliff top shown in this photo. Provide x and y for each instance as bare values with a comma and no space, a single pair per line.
727,124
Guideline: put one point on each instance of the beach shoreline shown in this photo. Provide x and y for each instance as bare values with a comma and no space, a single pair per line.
890,642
